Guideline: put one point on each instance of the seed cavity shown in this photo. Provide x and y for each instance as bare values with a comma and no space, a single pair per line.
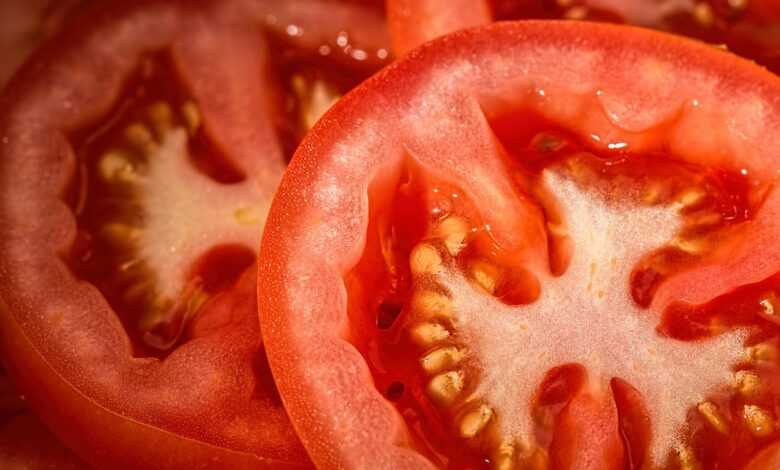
759,421
150,200
473,422
709,411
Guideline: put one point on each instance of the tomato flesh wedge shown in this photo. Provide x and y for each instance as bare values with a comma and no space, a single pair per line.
544,199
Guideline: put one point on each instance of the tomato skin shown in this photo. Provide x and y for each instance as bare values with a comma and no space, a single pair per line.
316,228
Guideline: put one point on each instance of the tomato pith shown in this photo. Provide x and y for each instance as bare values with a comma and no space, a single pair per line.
532,206
137,187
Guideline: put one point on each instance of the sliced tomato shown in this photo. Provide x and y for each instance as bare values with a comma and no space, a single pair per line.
139,151
534,245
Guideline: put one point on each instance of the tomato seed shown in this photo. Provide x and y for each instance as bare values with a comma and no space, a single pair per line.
712,415
758,421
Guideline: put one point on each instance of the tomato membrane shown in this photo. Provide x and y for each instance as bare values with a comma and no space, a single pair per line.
494,278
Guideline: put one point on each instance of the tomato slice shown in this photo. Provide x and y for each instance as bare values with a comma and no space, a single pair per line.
128,322
533,245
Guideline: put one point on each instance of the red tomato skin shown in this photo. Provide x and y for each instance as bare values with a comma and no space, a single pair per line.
314,236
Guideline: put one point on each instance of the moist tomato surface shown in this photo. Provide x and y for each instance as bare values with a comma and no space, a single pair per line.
534,245
140,149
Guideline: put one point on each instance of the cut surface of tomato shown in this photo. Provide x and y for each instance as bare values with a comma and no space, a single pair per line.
137,188
533,245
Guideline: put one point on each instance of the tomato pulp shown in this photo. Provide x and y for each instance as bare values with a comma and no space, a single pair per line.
541,244
137,184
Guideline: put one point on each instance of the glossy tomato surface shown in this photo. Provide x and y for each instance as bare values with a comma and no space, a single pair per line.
534,245
139,150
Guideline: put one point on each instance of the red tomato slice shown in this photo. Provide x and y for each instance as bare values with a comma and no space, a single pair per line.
533,245
139,156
